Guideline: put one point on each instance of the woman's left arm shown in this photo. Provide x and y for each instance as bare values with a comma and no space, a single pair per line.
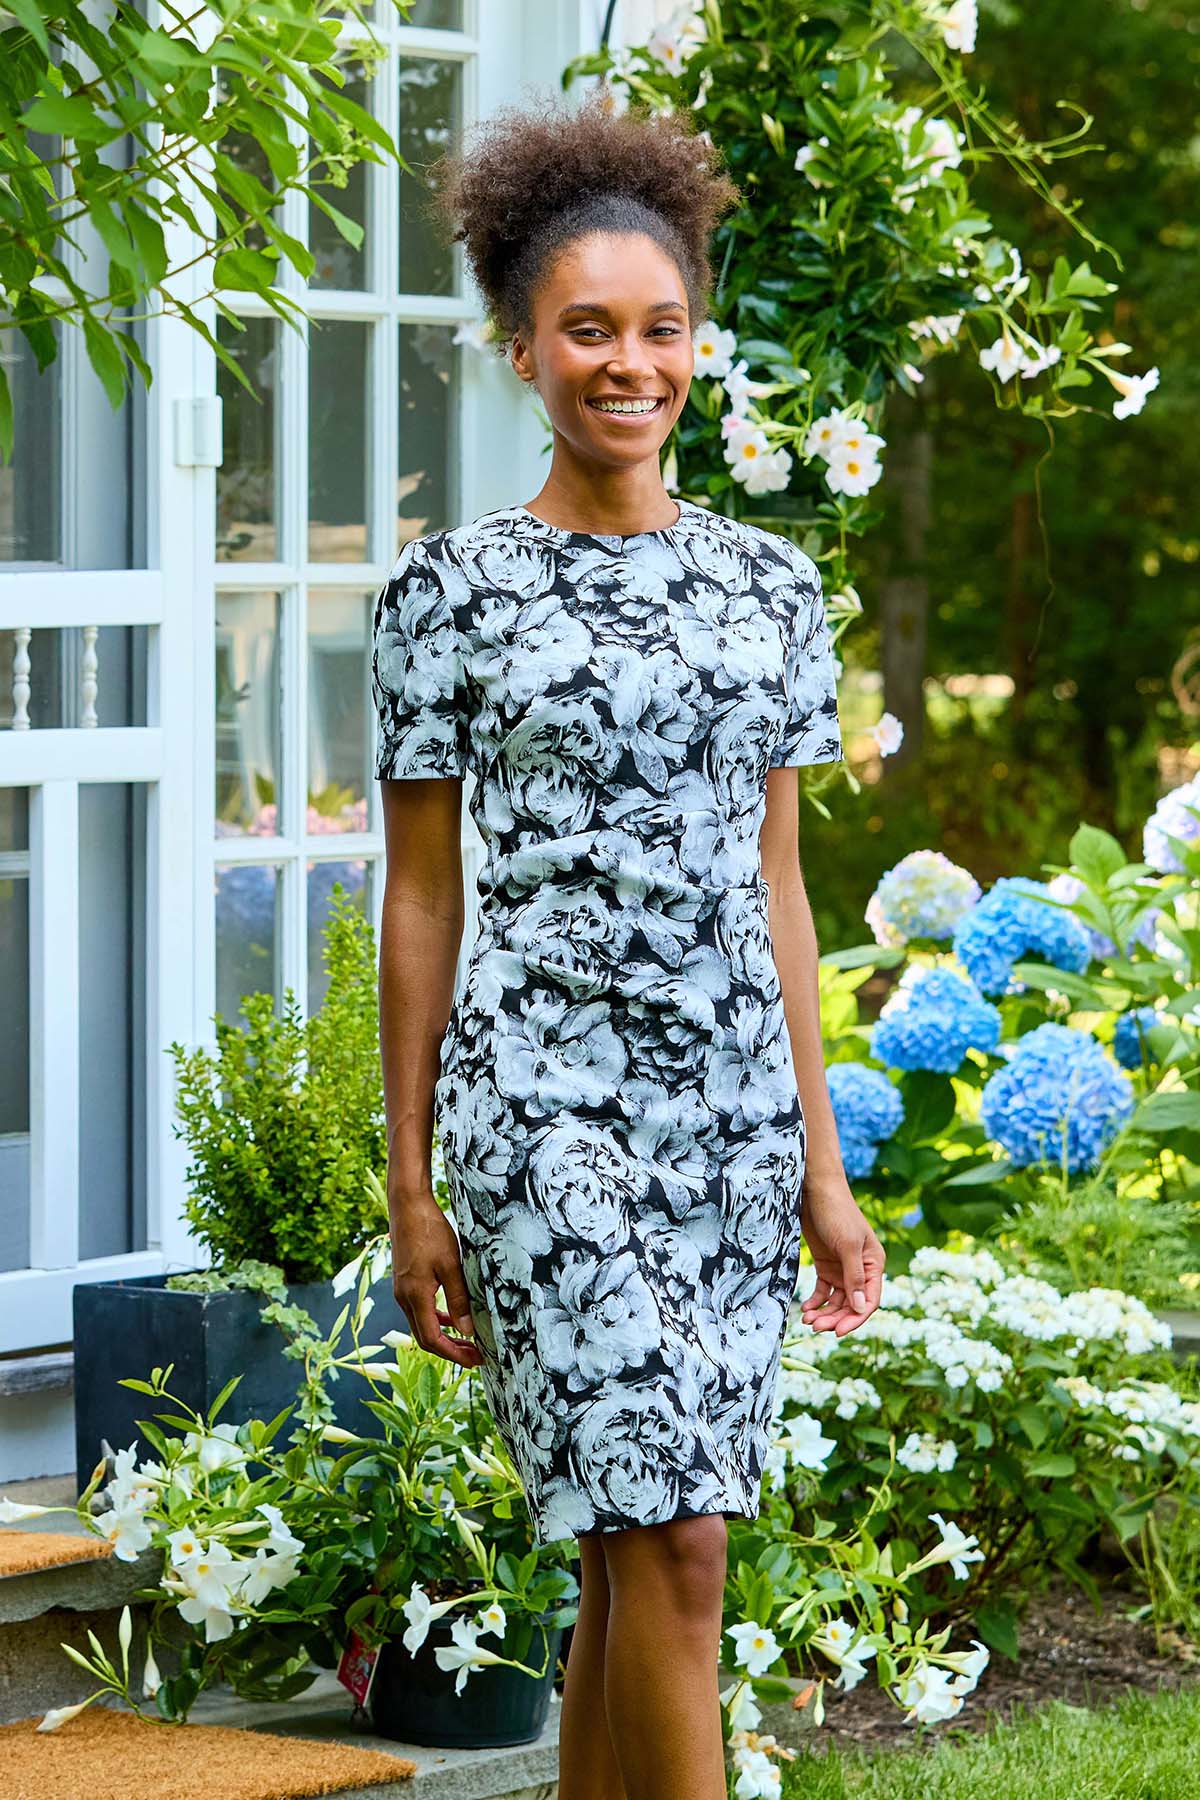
847,1255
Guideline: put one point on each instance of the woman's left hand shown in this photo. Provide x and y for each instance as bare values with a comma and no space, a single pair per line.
847,1256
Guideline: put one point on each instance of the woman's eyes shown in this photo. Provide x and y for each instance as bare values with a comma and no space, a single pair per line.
670,330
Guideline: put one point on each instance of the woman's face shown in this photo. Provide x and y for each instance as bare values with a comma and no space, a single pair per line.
610,324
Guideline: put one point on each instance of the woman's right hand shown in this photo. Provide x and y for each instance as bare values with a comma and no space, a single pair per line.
425,1256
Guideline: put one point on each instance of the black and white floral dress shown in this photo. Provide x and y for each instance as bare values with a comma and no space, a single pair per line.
617,1104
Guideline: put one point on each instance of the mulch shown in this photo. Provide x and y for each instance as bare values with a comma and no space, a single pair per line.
1068,1652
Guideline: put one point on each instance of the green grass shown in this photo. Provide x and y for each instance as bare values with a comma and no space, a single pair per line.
1147,1747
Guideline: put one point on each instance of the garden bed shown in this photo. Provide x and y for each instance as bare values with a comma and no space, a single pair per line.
1068,1652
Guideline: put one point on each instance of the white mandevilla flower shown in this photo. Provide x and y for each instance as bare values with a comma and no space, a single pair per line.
853,465
959,24
465,1653
475,333
943,328
752,461
1132,389
843,1644
804,1443
888,734
1004,358
675,40
11,1511
758,1778
210,1585
126,1530
58,1715
151,1678
216,1449
756,1648
420,1611
955,1548
929,1695
492,1618
740,389
743,1708
714,349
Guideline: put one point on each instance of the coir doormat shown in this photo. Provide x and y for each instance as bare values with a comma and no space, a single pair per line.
102,1754
25,1552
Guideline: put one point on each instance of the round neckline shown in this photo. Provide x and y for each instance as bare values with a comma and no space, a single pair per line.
608,537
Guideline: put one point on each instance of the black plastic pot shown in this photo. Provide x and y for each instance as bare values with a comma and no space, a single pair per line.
414,1702
128,1328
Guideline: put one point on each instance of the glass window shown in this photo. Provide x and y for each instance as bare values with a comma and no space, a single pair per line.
429,364
247,722
338,263
322,877
248,479
247,906
14,1028
31,482
338,426
433,15
112,1015
339,624
430,116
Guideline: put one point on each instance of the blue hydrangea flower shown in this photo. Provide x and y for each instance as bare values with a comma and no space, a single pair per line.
867,1108
1008,925
1069,887
1171,817
1127,1046
913,1217
923,896
931,1020
1057,1081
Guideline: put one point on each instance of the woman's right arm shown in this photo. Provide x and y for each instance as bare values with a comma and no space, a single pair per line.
420,933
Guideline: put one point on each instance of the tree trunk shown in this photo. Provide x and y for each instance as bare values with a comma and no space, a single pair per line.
904,590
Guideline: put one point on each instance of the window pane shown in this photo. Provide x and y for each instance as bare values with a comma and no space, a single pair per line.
248,479
430,115
339,676
429,373
247,155
31,483
337,441
14,1014
247,901
433,15
14,819
56,667
338,263
247,721
112,1013
321,879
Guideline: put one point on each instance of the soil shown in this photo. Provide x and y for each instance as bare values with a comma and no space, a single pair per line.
1068,1652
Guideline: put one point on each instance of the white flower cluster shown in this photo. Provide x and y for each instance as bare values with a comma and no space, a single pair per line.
961,1358
850,451
1149,1408
465,1652
921,1453
748,451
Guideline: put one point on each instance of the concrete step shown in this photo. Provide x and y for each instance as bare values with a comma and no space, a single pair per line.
326,1711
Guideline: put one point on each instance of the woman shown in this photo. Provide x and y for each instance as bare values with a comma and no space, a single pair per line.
629,1086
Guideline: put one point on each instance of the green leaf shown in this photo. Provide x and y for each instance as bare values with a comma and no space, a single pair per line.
6,417
350,229
1095,853
1164,1113
1033,1423
997,1626
978,1174
27,13
105,357
222,1397
929,1104
66,115
1054,1468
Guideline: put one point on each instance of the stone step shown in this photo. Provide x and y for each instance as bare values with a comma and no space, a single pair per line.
326,1711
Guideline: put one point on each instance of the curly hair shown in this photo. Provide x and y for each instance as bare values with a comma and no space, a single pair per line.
532,181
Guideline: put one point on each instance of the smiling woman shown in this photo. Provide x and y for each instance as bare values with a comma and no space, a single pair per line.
626,676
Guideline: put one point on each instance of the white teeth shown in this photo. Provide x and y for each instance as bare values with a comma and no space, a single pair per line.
626,406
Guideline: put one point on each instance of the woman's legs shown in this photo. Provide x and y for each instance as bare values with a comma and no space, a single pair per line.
587,1766
666,1584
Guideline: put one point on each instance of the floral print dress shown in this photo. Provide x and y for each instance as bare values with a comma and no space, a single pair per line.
617,1104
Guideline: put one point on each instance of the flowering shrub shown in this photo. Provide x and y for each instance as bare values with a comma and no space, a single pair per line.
1041,1032
1031,1416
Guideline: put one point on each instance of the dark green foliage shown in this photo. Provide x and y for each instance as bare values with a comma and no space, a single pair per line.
284,1121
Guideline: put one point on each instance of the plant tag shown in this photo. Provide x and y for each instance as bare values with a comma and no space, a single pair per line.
356,1670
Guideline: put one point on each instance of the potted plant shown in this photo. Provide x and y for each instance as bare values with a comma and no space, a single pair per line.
286,1133
407,1545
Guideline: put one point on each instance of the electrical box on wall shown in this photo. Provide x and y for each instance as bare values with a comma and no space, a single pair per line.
198,432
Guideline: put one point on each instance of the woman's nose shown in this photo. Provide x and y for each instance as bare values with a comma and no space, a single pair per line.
631,360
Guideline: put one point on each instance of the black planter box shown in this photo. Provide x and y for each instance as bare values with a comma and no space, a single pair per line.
127,1328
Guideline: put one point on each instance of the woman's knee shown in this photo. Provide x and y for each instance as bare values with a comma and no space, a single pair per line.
680,1562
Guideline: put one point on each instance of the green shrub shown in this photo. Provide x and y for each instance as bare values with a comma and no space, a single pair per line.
286,1118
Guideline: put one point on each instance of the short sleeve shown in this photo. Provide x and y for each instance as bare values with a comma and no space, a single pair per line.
416,673
812,732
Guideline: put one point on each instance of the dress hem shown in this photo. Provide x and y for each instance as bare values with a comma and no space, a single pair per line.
701,1512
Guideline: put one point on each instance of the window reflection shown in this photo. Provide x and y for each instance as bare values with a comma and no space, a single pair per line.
248,479
429,364
338,709
31,481
338,263
430,115
247,722
322,878
337,441
247,927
